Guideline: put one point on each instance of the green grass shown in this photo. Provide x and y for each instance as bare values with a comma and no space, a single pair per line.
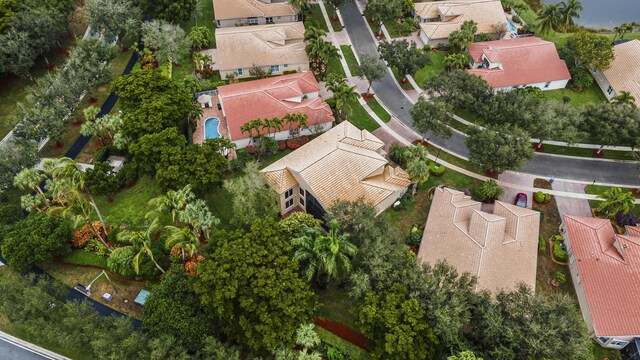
335,67
335,21
351,351
359,117
337,306
130,205
350,58
600,353
436,67
378,109
204,17
574,151
590,95
314,18
82,257
394,28
405,86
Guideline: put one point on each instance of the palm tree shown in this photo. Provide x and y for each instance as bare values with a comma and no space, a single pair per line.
247,128
407,6
549,18
140,241
198,216
344,95
301,5
622,30
321,52
325,256
455,61
296,122
172,202
616,200
625,98
568,11
184,238
314,33
417,164
30,179
256,125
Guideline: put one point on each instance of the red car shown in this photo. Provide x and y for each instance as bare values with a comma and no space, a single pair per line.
521,200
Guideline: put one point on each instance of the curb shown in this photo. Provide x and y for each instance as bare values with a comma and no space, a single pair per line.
31,347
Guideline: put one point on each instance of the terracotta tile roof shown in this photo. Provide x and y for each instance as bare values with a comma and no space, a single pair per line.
633,231
237,9
527,60
609,268
500,249
262,45
272,97
488,14
624,73
344,163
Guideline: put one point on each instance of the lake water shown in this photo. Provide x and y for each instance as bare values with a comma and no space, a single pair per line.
607,13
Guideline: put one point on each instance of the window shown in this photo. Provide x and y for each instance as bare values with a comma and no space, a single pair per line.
218,23
288,193
269,20
240,72
252,21
286,65
302,192
275,68
618,343
301,202
288,204
603,339
609,90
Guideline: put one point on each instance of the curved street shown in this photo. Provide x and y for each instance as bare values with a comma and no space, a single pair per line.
543,165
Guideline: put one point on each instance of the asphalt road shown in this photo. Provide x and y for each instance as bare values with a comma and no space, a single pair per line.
542,165
10,351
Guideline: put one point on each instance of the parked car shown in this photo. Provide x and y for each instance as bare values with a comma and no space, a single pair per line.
521,200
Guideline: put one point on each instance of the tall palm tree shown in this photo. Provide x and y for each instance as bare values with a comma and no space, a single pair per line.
616,200
246,128
417,164
296,122
198,216
30,179
140,241
325,256
172,202
256,125
344,95
184,238
624,98
312,33
549,18
569,10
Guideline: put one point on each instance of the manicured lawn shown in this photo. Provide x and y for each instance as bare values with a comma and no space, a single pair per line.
406,85
314,18
573,151
82,257
350,58
335,21
359,117
600,353
436,67
337,305
590,95
130,205
378,109
393,27
335,67
204,16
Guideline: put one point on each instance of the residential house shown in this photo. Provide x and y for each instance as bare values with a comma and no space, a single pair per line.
274,48
605,268
344,163
273,97
498,248
438,19
517,63
624,72
231,13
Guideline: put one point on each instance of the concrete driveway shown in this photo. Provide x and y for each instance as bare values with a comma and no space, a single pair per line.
509,194
571,206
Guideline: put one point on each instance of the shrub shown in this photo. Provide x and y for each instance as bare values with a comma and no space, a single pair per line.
82,236
542,244
266,145
282,145
547,198
436,169
415,236
539,197
629,219
488,190
287,72
558,253
120,262
483,37
334,354
566,99
296,143
242,158
516,19
101,179
96,247
560,277
397,153
581,78
128,174
407,199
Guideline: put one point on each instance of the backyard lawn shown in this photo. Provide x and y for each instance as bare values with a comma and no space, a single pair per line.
590,95
436,67
378,109
203,16
130,205
350,58
336,305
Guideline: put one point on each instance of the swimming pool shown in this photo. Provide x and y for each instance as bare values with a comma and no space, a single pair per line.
211,128
512,27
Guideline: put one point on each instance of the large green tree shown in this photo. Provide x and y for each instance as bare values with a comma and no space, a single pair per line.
432,115
370,68
114,18
253,287
37,238
458,89
612,124
383,11
615,200
170,10
394,324
404,56
15,155
498,148
592,51
251,197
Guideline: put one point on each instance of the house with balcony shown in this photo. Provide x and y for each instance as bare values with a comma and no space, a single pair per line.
273,48
624,72
344,163
605,268
240,103
499,248
516,63
230,13
438,19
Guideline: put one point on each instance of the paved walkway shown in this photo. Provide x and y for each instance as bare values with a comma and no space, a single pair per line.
571,206
542,165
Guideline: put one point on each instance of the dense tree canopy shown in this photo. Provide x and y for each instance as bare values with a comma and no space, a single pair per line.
37,238
612,123
459,89
114,18
16,155
498,148
254,288
432,115
169,10
252,198
404,56
591,51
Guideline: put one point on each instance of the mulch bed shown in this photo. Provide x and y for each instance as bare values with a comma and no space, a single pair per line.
344,332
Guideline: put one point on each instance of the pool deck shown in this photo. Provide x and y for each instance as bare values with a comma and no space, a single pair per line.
198,135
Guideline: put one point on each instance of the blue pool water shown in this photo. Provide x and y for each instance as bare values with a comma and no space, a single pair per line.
512,27
211,128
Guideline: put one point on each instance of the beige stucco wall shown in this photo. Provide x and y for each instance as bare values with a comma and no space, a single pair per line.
290,67
221,23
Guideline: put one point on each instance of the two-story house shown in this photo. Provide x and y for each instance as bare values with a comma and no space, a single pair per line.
229,13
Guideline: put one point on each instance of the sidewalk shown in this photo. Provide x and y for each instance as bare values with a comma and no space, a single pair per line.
12,348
